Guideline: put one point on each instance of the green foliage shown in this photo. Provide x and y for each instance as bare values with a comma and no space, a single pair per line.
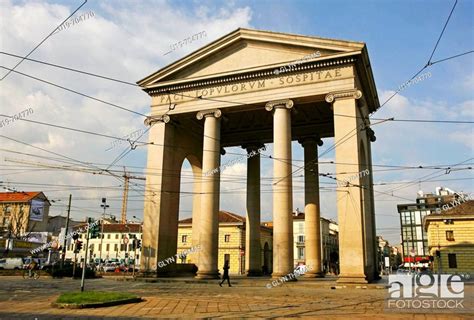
93,297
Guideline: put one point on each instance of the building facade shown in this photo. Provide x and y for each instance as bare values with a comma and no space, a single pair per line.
414,237
451,239
329,242
115,242
232,246
23,213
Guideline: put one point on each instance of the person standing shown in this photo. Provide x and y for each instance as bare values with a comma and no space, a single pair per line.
226,273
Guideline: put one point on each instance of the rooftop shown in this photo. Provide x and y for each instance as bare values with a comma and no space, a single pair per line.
224,217
18,196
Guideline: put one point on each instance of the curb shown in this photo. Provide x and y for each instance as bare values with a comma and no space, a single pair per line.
95,305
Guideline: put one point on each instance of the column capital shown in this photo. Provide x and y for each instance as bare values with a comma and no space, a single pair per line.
346,94
286,103
253,146
217,113
310,140
151,120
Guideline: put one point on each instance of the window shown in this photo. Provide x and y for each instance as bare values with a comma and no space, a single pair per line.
300,238
184,238
300,253
116,236
108,236
122,247
116,247
227,257
452,260
450,235
100,247
227,238
108,247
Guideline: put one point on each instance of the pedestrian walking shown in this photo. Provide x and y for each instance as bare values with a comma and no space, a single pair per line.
226,273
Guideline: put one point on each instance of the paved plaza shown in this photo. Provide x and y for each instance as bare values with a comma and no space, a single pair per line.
189,299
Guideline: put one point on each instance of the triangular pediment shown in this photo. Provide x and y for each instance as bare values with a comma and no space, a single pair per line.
247,50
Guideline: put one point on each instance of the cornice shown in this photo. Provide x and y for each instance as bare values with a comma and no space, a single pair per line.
258,74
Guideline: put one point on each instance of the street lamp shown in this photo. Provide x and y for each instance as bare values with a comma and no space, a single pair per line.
105,206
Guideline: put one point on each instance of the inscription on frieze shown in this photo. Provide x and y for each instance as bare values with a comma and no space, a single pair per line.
256,85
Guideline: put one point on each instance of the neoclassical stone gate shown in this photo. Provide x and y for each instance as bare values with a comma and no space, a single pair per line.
229,94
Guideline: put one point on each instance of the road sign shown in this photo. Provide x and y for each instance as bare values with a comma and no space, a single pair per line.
125,240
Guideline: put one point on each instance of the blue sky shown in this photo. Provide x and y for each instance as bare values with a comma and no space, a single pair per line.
127,40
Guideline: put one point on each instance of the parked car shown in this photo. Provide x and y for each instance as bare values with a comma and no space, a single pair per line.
11,263
109,267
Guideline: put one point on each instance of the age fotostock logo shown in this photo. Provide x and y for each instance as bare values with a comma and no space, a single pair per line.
425,291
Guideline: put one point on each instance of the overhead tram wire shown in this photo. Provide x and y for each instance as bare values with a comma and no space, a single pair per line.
39,44
227,177
71,69
79,93
200,97
227,101
413,182
427,65
60,155
431,56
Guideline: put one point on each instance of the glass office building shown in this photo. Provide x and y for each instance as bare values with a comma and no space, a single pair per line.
414,238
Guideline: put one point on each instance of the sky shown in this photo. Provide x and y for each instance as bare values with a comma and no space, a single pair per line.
128,40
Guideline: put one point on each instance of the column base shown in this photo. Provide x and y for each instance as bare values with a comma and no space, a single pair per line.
281,275
319,274
207,275
352,278
254,273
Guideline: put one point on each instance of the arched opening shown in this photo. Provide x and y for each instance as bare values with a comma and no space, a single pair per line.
188,220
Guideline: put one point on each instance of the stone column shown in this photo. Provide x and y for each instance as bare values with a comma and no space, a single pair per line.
209,224
350,209
253,263
282,188
160,228
311,210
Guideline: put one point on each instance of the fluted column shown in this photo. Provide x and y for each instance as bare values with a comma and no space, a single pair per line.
253,263
209,224
312,209
282,188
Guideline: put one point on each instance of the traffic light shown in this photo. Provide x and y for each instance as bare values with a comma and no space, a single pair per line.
78,246
139,243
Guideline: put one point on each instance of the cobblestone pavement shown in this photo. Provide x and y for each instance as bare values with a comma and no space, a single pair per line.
27,299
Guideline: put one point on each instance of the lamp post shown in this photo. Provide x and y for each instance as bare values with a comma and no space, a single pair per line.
105,206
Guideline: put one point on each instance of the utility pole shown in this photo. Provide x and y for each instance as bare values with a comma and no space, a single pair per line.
65,231
125,196
84,266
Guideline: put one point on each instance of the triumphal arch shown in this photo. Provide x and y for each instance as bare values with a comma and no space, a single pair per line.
251,88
